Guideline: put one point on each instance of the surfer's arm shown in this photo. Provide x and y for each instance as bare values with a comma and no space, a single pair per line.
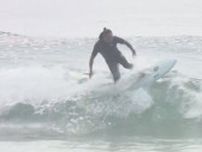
92,57
122,41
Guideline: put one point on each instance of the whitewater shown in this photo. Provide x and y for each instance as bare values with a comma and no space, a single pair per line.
47,102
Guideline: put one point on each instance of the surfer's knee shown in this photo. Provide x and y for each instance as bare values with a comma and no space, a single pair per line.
128,66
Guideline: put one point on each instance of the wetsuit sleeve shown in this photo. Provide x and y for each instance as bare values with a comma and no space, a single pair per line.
122,41
93,55
95,51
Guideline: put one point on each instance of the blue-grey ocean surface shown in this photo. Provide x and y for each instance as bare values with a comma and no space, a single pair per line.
47,104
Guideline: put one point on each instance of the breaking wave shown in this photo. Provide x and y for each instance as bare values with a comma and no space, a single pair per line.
43,93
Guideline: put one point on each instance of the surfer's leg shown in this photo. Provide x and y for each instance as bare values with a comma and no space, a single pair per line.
114,68
125,63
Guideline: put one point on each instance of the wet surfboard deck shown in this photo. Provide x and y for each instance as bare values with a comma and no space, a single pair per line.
150,75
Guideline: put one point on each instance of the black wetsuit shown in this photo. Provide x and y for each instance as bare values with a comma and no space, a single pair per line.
112,55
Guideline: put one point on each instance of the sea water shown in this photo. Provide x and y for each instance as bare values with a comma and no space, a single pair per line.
48,104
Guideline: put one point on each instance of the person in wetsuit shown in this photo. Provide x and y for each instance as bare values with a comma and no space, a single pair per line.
107,47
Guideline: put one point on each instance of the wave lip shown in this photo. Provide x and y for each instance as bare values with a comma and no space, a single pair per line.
170,107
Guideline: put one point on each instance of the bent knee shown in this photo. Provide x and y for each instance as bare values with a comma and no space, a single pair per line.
128,66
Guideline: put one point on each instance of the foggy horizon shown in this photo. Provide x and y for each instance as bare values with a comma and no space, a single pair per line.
68,18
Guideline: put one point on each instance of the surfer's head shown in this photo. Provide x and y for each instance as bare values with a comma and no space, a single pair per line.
106,35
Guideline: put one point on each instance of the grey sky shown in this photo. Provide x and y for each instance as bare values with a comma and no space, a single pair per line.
85,17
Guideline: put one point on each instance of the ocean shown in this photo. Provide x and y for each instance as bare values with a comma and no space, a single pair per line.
48,104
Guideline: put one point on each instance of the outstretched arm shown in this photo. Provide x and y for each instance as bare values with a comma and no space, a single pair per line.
122,41
93,55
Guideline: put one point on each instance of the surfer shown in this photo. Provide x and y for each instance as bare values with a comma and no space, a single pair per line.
107,47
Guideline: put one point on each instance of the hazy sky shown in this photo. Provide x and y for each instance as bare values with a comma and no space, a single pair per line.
85,18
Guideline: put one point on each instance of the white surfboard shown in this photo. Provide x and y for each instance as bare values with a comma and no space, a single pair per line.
142,79
162,68
156,72
146,77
